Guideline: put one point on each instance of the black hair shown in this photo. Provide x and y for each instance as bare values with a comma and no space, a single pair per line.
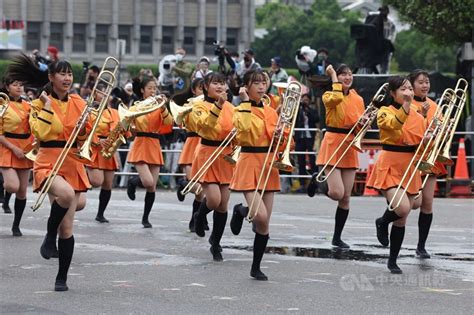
7,80
199,82
342,68
415,74
306,95
94,68
394,83
24,69
139,84
254,75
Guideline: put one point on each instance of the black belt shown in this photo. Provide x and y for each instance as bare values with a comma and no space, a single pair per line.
211,143
148,135
337,130
102,137
254,149
399,148
191,134
55,144
17,135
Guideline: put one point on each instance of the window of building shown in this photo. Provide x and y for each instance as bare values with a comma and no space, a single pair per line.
56,35
232,39
102,38
190,40
125,33
79,38
167,43
211,37
33,35
146,39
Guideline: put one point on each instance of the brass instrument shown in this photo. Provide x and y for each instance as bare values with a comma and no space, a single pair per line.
217,152
180,112
436,136
4,103
116,137
107,77
32,150
286,121
361,126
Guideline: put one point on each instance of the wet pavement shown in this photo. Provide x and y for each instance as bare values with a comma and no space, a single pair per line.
121,268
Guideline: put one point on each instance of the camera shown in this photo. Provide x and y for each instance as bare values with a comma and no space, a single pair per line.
166,65
219,49
85,65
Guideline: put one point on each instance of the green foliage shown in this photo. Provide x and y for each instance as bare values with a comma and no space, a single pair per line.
289,28
449,22
134,70
417,50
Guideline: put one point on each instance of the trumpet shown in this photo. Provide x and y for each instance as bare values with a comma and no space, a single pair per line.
362,125
4,103
286,121
116,137
439,136
217,152
107,77
180,112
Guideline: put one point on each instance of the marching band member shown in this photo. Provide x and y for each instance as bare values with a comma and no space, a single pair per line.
187,155
54,115
146,153
101,171
255,123
15,136
213,120
427,107
401,131
343,108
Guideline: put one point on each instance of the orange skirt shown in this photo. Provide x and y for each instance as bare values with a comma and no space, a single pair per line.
389,169
220,172
101,163
189,150
146,150
72,170
9,160
330,142
247,172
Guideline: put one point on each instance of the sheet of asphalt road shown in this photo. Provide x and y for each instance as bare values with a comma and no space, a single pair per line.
121,268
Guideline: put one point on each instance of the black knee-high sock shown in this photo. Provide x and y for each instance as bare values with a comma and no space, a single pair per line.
396,239
6,199
137,181
389,216
341,217
149,200
259,244
424,224
19,208
2,191
218,227
196,205
104,198
65,250
55,217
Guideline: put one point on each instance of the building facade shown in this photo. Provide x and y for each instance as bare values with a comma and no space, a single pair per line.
90,29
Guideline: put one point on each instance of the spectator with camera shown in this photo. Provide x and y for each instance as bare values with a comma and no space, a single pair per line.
248,63
91,75
307,118
202,69
277,73
181,72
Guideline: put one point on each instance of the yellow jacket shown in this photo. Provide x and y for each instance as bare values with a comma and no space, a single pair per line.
400,128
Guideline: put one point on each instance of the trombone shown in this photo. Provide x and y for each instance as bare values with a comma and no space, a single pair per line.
4,103
286,120
217,152
107,77
362,125
437,133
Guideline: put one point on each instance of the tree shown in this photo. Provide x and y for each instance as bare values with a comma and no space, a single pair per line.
416,50
289,28
449,22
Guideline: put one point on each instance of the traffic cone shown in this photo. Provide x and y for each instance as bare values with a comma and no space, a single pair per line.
460,172
370,191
